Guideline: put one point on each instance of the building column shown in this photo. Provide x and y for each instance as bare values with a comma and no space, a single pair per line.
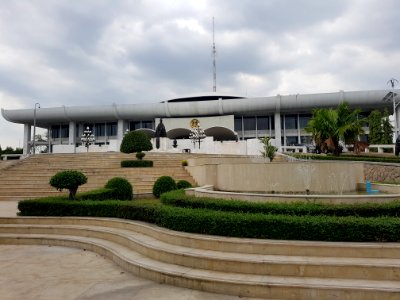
278,131
398,119
120,130
72,134
27,139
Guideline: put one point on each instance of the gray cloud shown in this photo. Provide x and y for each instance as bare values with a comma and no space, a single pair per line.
103,51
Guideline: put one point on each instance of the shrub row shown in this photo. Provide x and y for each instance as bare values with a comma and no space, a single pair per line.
179,199
348,158
323,228
136,163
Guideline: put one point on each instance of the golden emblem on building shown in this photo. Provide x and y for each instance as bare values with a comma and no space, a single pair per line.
194,123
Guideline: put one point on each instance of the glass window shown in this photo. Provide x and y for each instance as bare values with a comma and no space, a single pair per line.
100,129
238,124
147,124
249,123
291,140
77,130
262,123
134,125
306,139
112,129
55,131
290,121
64,131
303,120
88,125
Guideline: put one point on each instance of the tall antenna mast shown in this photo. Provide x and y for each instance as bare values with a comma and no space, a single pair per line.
214,53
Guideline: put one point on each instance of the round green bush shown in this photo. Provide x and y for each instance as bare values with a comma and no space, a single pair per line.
135,141
70,180
162,185
122,189
183,184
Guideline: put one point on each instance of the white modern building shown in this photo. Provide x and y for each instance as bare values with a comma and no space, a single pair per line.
230,120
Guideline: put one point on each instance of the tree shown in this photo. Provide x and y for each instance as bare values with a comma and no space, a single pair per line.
136,141
70,180
387,129
330,126
269,150
375,127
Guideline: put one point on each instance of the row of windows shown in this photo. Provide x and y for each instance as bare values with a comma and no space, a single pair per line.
254,123
100,130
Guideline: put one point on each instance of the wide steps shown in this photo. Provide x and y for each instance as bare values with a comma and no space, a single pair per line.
243,267
30,177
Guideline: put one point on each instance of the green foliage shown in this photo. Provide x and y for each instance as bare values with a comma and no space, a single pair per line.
269,150
122,189
136,163
180,199
380,129
184,163
135,141
98,194
226,223
70,180
387,129
334,125
162,185
183,184
140,155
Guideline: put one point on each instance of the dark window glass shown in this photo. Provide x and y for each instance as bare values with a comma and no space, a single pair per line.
88,125
262,123
64,131
134,125
291,122
238,124
306,139
249,123
55,131
272,122
77,130
291,140
303,120
100,129
147,124
112,129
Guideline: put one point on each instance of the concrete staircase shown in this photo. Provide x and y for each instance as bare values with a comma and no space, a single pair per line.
244,267
29,178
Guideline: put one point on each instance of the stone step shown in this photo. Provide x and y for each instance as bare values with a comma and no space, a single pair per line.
233,283
256,264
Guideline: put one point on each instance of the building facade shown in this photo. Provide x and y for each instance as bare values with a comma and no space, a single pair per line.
223,117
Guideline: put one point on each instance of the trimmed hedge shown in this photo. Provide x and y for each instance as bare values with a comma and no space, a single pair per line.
180,199
323,228
121,188
183,184
162,185
136,163
98,194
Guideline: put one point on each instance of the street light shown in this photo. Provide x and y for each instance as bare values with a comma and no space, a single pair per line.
197,134
393,82
37,105
87,138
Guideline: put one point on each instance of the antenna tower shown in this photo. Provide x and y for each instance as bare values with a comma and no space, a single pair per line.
214,53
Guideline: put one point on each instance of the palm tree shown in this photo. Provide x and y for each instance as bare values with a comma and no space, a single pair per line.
332,125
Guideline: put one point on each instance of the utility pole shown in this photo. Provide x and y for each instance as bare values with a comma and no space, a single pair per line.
214,53
393,82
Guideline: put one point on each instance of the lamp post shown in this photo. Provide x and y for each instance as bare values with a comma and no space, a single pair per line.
393,82
37,105
87,138
197,134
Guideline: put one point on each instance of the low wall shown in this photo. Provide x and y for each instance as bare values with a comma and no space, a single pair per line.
295,177
381,172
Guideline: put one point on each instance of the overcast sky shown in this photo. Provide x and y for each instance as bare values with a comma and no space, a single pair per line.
87,52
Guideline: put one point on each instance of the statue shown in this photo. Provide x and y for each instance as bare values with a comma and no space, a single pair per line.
160,132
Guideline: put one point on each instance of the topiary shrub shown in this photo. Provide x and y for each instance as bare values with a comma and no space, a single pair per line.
140,155
70,180
136,141
183,184
162,185
122,189
136,163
